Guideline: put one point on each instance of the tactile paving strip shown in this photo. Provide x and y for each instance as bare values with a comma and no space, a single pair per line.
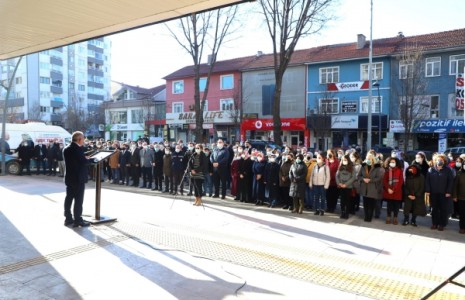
351,275
61,254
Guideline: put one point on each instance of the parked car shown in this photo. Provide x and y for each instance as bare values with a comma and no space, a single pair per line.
456,151
11,163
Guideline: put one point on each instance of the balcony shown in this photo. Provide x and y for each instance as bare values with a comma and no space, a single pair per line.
55,75
95,97
17,102
56,103
96,72
55,118
95,84
56,89
95,60
56,61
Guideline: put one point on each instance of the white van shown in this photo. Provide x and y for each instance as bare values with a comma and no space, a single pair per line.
36,132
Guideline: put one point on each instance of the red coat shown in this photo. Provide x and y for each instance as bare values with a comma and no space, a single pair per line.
333,166
393,179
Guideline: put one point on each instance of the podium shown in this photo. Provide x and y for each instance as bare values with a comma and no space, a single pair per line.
98,158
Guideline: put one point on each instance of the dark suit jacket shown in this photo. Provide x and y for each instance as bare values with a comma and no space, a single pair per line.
76,164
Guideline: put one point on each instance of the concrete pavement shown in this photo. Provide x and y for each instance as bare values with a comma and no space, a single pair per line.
165,248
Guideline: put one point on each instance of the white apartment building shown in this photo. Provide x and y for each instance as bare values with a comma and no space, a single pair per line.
50,82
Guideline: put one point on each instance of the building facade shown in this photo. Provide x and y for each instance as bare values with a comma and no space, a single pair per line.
49,83
135,112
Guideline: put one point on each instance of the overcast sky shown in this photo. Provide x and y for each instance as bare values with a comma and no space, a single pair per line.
144,56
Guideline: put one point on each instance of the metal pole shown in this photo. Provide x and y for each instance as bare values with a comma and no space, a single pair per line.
379,118
370,60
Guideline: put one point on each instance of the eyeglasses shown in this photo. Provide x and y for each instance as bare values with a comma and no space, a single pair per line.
197,148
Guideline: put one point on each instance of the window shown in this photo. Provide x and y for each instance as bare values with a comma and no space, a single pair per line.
118,117
44,66
267,99
178,87
227,82
375,104
18,80
434,107
329,75
44,80
178,107
376,71
18,95
202,84
329,106
226,104
44,94
433,66
81,88
405,70
457,63
44,109
137,116
420,107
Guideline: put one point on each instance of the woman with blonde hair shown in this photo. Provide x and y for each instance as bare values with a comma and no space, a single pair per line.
371,184
439,186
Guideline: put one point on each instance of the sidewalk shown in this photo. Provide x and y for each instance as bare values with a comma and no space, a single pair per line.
165,248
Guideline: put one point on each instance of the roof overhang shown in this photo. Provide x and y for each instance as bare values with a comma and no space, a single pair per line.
28,26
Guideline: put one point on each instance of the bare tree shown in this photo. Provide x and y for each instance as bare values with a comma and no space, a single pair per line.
74,114
35,113
288,21
411,89
209,29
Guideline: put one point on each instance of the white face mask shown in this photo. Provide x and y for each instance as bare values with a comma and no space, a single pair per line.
178,150
240,150
418,160
458,164
392,165
198,151
220,145
345,162
272,159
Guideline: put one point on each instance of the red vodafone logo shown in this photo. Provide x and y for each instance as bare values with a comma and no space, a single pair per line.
258,124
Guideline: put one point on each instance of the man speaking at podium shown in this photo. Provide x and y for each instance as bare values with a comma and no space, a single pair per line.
75,179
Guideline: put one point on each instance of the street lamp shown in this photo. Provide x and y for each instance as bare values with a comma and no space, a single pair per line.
376,84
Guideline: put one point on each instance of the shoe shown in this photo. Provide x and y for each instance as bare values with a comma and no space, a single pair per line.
301,209
405,223
69,222
215,196
434,227
396,221
440,228
317,212
413,224
153,189
291,208
285,206
294,211
81,223
322,213
388,220
462,231
210,195
223,197
189,194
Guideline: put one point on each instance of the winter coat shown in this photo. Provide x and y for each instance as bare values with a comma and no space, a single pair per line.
220,156
284,180
459,186
343,176
356,183
258,168
167,165
245,169
135,157
271,178
177,161
310,165
320,176
415,186
374,188
393,179
297,175
124,158
333,167
147,157
113,161
197,163
439,181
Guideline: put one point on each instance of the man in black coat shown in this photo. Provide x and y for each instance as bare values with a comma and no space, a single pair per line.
158,169
125,164
40,154
75,179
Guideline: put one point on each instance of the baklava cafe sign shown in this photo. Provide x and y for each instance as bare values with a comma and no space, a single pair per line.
208,117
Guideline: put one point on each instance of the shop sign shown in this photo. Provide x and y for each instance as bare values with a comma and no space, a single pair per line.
396,126
459,105
343,122
126,127
208,117
439,126
267,124
349,106
348,86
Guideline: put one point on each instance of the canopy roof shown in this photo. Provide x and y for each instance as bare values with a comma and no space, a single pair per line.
28,26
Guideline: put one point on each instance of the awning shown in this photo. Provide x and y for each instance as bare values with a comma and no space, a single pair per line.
36,25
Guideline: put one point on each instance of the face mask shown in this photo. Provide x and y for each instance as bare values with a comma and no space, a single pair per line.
458,164
298,160
157,149
190,148
440,163
418,160
166,145
393,155
243,155
235,150
198,151
272,159
145,147
345,162
178,150
240,150
368,162
220,146
339,156
392,165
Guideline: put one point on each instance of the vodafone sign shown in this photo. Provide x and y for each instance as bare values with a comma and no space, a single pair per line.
348,86
267,124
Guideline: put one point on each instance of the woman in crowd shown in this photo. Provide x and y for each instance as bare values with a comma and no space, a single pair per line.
355,195
235,171
414,189
439,187
297,175
198,166
271,178
393,182
258,169
310,163
371,182
422,162
319,183
457,168
345,176
244,184
458,196
208,180
284,181
332,194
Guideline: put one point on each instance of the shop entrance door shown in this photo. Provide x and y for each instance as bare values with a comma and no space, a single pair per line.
296,138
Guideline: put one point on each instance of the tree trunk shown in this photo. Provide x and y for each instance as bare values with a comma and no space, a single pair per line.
276,110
